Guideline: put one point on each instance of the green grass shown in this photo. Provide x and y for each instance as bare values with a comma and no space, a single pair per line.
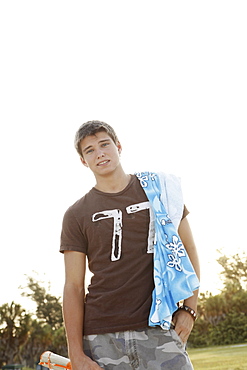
219,358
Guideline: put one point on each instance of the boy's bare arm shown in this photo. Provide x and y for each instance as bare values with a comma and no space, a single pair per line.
73,309
186,236
182,320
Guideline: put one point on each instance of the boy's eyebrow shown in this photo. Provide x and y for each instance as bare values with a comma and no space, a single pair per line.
84,150
89,146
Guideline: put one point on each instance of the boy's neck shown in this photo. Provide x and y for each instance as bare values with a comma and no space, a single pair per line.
113,183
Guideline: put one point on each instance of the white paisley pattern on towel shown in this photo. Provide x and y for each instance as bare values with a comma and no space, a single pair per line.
174,275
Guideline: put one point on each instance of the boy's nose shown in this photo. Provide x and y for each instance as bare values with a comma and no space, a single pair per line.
100,153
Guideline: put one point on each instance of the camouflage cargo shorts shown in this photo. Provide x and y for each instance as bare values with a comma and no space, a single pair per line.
149,348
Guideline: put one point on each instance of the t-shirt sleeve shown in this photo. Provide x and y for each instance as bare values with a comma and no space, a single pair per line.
72,237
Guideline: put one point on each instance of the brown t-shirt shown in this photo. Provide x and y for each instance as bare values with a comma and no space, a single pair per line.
114,238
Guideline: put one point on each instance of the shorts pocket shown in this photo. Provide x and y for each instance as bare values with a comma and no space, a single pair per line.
180,344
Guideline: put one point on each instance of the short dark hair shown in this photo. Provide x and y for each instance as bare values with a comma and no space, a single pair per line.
91,128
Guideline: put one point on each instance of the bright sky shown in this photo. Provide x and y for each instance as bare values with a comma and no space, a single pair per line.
169,76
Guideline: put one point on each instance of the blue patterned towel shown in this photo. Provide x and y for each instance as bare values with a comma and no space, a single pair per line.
174,275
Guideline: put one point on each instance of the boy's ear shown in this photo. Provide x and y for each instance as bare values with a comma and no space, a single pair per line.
119,146
83,162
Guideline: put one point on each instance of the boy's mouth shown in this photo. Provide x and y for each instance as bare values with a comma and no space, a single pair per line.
102,163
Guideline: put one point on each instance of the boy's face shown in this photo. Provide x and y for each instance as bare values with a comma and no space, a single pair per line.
100,153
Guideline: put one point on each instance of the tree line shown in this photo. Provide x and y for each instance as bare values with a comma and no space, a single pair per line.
24,336
222,318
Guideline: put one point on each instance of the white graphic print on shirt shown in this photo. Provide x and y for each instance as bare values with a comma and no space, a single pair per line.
116,214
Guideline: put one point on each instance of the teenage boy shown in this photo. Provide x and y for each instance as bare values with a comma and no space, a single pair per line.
110,227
